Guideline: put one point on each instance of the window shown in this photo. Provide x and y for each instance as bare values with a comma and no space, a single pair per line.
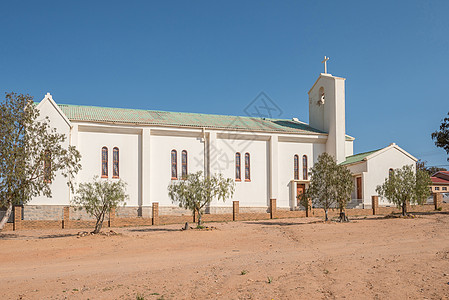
390,172
184,164
47,166
115,163
304,167
104,162
174,164
247,167
437,188
296,167
444,188
238,175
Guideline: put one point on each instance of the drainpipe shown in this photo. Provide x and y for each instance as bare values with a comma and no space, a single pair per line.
206,162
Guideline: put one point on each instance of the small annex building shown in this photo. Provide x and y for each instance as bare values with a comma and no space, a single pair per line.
440,182
268,158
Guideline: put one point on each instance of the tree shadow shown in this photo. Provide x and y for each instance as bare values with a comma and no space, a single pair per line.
152,229
283,223
56,236
8,236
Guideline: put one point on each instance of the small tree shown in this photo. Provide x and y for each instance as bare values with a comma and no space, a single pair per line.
441,137
31,154
405,186
195,191
344,189
99,197
330,184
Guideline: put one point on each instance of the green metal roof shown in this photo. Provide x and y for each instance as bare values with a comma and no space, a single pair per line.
357,157
161,118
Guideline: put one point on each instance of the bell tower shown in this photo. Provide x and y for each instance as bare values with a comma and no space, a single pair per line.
327,112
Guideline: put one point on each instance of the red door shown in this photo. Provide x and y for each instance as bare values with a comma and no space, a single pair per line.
300,187
359,187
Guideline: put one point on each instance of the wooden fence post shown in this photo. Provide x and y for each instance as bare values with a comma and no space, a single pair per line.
272,208
111,217
375,204
437,200
66,217
309,208
17,217
235,210
155,213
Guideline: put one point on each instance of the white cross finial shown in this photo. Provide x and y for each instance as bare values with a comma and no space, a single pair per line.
325,63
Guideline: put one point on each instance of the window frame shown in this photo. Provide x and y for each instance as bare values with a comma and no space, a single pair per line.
104,162
174,164
184,164
305,166
238,166
296,167
115,162
247,166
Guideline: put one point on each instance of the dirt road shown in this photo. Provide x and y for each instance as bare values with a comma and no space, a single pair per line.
276,259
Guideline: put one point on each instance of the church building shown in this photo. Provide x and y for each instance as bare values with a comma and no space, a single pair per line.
268,158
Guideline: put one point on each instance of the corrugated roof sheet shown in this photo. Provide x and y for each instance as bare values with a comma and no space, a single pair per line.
357,157
153,117
437,180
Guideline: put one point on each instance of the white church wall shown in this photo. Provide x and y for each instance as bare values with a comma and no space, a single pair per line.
90,145
59,188
252,193
160,163
378,169
287,151
349,148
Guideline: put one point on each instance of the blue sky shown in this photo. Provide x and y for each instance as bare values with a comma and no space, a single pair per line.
216,57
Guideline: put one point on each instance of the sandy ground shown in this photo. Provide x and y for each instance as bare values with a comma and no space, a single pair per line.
372,258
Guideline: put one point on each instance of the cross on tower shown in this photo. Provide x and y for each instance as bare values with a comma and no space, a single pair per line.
325,63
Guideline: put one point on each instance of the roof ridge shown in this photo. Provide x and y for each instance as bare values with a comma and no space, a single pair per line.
183,112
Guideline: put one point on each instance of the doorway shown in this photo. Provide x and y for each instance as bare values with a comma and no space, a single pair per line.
359,188
300,188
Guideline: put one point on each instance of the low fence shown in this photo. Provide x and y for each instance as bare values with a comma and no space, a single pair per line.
156,219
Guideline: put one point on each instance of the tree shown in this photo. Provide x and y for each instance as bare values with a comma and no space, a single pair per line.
195,191
344,189
31,154
331,185
99,197
441,137
422,165
406,186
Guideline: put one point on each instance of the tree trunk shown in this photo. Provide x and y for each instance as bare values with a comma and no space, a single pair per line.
6,216
343,217
325,214
99,223
404,208
199,219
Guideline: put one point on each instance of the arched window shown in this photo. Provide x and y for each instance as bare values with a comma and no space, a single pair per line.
184,164
390,172
47,166
104,162
115,163
304,167
174,164
247,167
296,167
238,174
